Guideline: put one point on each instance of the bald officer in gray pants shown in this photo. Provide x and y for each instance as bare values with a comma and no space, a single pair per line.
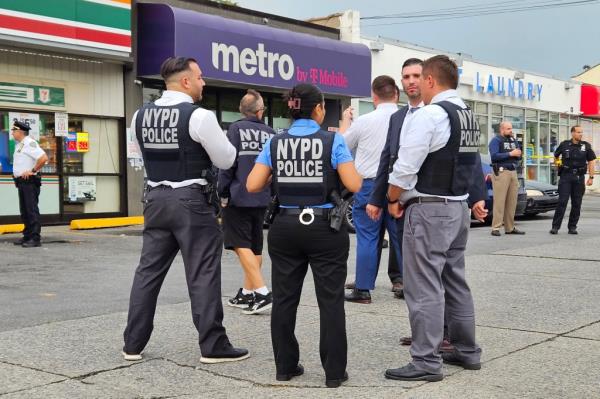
438,162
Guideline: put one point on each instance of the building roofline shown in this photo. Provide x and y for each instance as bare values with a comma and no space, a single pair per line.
466,57
261,14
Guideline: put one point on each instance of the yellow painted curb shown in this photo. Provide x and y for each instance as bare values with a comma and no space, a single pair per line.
84,224
11,228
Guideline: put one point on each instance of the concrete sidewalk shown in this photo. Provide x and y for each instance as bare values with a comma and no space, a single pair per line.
537,313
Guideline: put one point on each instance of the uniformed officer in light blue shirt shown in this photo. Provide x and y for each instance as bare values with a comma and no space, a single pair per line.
307,165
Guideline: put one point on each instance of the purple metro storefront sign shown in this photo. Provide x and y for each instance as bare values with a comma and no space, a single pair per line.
240,52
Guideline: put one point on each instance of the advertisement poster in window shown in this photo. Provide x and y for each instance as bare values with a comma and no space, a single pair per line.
32,119
61,124
82,188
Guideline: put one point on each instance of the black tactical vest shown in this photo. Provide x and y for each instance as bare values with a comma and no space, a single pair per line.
168,150
302,171
449,170
574,156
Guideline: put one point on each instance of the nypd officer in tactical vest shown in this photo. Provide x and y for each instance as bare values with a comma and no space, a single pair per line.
576,158
506,157
180,142
307,166
243,212
437,163
28,159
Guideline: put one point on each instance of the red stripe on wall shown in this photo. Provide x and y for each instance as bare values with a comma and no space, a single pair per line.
71,32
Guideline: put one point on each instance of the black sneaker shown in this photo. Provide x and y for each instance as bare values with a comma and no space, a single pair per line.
228,354
261,304
241,300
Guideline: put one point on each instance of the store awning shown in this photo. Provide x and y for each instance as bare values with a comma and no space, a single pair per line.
590,100
241,52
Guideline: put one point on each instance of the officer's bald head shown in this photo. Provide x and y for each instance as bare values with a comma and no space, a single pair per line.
252,103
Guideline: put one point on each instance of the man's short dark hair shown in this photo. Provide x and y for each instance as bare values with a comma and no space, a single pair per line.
174,65
384,87
574,127
412,61
443,69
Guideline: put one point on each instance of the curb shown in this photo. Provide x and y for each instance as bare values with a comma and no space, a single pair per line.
11,228
86,224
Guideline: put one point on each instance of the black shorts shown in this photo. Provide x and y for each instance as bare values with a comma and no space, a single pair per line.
243,228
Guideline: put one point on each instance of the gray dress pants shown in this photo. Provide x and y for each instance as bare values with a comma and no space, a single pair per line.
435,237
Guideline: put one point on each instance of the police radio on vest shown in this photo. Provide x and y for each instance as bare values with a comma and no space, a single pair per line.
159,125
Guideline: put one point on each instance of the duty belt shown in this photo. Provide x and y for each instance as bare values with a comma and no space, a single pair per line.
203,188
306,215
420,200
576,171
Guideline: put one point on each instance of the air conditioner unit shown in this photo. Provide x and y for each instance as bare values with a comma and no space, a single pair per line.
519,75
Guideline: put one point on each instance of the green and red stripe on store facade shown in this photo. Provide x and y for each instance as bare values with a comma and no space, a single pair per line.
99,24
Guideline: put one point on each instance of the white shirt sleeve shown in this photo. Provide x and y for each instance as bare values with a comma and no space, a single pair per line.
32,150
134,134
415,144
352,135
205,129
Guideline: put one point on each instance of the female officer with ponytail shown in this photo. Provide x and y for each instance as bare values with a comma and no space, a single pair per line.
307,164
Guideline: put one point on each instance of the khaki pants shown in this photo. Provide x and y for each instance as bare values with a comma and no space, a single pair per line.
506,187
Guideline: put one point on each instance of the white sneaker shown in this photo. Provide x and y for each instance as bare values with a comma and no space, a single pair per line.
132,357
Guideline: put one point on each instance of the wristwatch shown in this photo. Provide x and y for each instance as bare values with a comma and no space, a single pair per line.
390,201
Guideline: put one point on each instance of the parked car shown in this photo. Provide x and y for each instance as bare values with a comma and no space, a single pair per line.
541,197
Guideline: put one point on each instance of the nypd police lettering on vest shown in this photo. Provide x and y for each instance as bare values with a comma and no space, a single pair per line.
307,165
180,142
437,164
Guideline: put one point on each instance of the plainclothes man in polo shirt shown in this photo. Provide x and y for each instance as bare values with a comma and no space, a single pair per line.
367,136
28,159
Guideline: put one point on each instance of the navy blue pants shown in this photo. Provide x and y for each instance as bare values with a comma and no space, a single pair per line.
29,194
368,238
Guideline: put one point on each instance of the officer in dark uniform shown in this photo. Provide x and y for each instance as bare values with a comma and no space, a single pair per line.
438,163
243,212
307,165
576,158
180,142
28,159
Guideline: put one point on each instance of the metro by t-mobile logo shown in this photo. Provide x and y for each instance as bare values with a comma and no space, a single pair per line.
249,61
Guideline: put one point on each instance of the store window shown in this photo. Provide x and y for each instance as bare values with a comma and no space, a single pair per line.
532,150
496,110
43,132
96,170
483,128
85,162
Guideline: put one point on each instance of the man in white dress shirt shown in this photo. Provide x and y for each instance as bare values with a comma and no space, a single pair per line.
438,162
180,142
366,136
